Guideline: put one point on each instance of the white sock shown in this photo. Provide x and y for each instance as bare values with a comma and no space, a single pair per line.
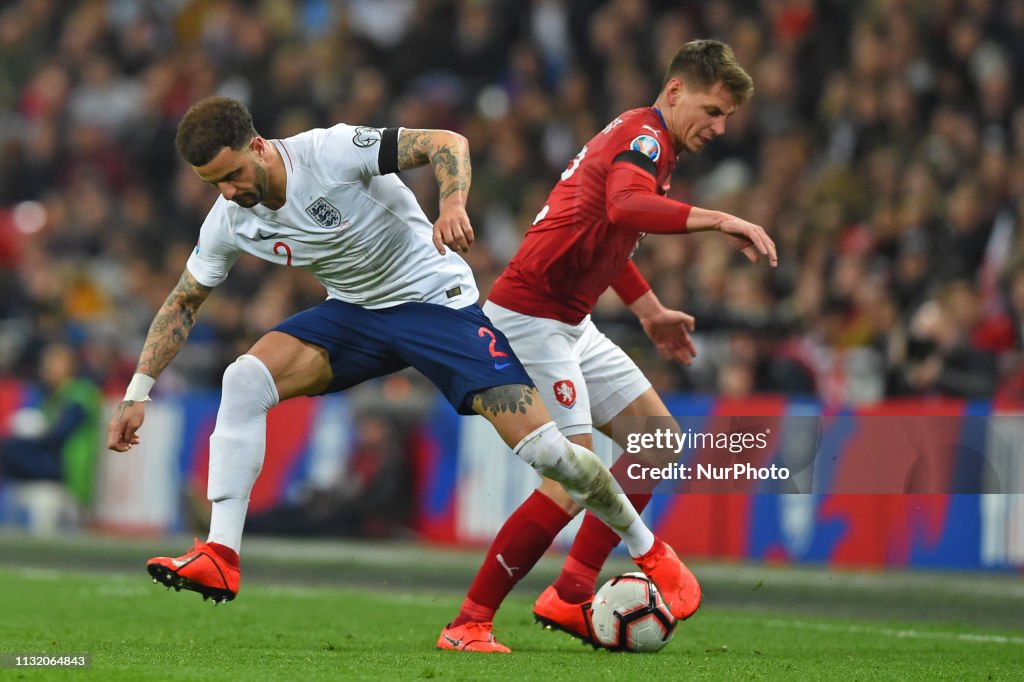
588,482
638,538
237,446
226,521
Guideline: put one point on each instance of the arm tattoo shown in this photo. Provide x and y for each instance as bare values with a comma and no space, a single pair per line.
413,149
511,398
446,152
172,325
125,404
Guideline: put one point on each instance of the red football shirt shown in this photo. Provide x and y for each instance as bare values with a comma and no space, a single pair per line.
573,251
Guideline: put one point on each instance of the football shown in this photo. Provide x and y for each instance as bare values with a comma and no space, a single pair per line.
628,614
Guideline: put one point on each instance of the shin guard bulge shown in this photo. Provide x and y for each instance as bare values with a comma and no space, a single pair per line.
588,482
237,446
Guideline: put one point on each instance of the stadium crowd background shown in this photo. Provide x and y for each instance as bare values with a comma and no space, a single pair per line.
883,150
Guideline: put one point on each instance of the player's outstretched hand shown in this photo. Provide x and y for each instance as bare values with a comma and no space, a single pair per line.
453,230
670,332
749,238
122,429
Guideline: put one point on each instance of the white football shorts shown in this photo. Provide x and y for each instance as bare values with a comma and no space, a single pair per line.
583,378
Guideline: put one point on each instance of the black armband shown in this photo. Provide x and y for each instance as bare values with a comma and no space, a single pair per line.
638,159
387,158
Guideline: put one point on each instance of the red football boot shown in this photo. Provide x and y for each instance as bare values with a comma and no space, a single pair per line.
553,612
677,584
471,636
202,569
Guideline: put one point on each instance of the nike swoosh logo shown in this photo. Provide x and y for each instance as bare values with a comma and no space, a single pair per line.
186,560
453,642
266,236
501,365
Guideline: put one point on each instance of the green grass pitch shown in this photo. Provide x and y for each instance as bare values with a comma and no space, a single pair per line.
136,630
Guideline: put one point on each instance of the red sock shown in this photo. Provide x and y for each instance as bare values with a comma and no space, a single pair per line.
522,540
593,543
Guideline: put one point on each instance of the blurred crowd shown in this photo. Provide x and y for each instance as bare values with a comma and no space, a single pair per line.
883,150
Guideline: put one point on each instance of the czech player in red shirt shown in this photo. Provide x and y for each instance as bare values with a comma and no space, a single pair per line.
609,197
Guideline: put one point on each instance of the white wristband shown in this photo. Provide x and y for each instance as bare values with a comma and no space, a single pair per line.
138,389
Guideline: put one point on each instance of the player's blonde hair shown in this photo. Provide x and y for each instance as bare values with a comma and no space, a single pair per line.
706,62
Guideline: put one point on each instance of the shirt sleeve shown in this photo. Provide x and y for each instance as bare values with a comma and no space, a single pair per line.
641,146
633,202
348,153
632,196
215,251
629,284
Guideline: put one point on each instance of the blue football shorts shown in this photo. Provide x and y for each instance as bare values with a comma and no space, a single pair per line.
459,350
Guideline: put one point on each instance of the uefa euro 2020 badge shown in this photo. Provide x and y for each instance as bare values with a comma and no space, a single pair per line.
646,145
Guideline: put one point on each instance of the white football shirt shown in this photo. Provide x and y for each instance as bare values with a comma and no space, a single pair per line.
362,234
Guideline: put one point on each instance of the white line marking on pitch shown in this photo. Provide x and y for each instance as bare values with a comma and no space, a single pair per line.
888,632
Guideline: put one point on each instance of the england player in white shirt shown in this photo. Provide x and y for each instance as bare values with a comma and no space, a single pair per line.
328,200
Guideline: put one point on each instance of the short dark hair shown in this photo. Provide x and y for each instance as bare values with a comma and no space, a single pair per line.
211,124
706,62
